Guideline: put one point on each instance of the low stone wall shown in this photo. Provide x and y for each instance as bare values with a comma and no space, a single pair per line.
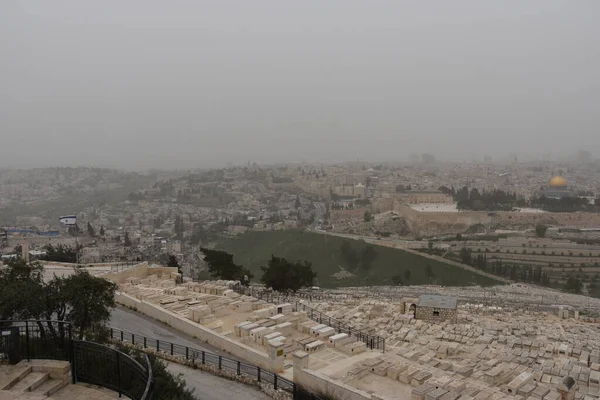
322,384
201,332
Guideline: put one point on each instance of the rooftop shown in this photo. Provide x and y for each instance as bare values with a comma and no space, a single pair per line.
436,301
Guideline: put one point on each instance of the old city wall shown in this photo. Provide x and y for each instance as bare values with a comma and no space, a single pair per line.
565,219
201,332
347,215
432,223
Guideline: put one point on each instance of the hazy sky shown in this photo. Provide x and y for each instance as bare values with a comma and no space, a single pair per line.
144,83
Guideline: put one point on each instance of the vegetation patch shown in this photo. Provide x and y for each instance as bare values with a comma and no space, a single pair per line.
368,264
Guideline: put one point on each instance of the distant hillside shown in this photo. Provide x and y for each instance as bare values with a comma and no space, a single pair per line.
339,264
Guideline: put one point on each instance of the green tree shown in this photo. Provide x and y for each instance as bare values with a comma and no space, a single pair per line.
573,284
367,257
60,253
349,254
173,263
221,266
90,230
540,230
127,241
82,299
282,275
101,230
20,287
397,279
166,385
367,216
429,272
89,300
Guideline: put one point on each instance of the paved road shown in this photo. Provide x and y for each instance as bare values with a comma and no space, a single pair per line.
212,387
208,386
130,321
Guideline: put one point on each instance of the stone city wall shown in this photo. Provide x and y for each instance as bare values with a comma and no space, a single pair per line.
201,332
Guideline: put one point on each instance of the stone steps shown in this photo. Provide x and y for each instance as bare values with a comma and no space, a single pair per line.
50,387
30,382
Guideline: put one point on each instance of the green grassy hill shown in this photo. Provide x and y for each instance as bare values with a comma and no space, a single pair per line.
254,249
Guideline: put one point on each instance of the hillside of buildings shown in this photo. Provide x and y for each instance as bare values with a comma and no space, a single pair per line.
345,262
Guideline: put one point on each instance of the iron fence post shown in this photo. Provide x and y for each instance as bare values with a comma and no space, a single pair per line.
171,348
275,381
132,338
121,336
119,373
144,341
239,368
187,349
157,345
203,357
73,365
258,373
27,339
220,360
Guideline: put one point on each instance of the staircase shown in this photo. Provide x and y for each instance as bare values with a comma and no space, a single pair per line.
38,378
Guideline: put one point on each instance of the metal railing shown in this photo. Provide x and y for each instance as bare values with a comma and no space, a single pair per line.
202,357
104,366
90,362
372,341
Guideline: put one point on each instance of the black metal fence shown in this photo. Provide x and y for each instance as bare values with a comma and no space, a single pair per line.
203,357
372,341
48,340
103,366
90,362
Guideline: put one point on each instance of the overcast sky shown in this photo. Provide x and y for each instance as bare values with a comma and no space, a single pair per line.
156,83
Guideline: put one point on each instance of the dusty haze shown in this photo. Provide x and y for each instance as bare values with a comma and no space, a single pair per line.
138,84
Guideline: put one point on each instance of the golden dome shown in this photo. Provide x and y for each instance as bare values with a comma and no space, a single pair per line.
558,181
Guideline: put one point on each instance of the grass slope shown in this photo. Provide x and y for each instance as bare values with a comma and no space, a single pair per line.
254,249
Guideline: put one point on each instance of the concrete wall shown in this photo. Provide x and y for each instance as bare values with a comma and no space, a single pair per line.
198,331
322,384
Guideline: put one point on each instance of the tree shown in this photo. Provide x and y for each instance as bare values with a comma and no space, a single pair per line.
90,230
573,284
429,272
407,275
367,256
540,230
166,385
367,216
21,285
82,299
127,241
221,265
101,230
89,300
74,230
397,279
60,253
349,255
179,228
173,263
282,275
